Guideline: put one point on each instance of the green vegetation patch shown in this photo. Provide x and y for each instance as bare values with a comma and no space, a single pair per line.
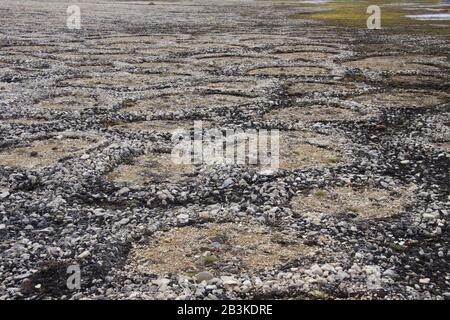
393,15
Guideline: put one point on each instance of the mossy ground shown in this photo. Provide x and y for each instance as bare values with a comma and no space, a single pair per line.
393,15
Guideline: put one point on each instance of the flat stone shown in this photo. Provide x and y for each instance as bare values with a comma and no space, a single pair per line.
204,276
84,254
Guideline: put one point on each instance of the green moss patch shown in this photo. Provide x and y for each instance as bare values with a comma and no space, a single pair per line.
393,15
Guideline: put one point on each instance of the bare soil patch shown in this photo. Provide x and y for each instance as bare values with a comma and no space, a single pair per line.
160,51
151,168
127,39
173,66
177,102
310,114
69,102
368,203
176,68
290,71
230,59
26,121
89,56
215,247
308,48
118,80
225,47
390,63
444,146
30,48
304,55
301,150
312,87
158,125
402,99
414,80
92,68
233,85
260,40
43,153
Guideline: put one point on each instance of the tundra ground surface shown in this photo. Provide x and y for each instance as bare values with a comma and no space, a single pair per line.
359,206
